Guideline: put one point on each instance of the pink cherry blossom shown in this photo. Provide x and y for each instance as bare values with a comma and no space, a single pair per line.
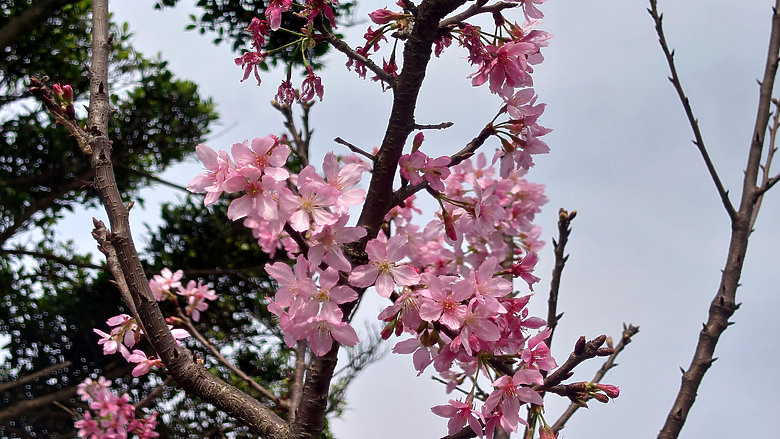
145,364
251,62
218,166
443,301
266,154
383,268
326,244
460,414
311,86
343,180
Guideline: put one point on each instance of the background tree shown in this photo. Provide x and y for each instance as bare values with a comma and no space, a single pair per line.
55,296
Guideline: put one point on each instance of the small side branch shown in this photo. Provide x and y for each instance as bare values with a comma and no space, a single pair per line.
476,9
766,181
564,229
344,48
221,358
628,332
300,140
355,149
34,376
698,139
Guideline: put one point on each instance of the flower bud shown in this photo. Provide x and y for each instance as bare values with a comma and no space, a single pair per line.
384,16
417,142
609,389
579,347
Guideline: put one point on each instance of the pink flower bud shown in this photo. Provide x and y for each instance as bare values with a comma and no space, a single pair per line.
384,16
418,140
609,389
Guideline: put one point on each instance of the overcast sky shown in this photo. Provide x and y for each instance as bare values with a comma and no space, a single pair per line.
651,235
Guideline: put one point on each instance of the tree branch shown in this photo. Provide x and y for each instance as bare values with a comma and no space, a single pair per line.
476,9
214,351
51,257
564,229
724,304
698,140
31,18
628,332
344,48
34,376
94,142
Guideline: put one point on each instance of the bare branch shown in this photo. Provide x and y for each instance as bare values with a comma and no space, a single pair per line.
476,9
564,229
51,257
296,388
724,304
438,126
34,376
355,149
300,143
767,182
221,358
698,139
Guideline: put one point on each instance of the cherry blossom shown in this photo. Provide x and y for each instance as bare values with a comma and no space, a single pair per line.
383,268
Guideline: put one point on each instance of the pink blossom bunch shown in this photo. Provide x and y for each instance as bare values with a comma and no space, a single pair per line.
110,416
126,333
308,308
313,205
449,281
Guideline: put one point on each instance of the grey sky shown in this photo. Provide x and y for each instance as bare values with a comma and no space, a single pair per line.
650,238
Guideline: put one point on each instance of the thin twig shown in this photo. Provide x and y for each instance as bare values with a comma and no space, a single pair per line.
214,351
628,332
51,257
154,394
34,376
301,146
564,229
476,9
344,48
698,139
767,182
354,148
438,126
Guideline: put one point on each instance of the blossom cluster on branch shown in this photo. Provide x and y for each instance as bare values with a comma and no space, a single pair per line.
111,416
448,278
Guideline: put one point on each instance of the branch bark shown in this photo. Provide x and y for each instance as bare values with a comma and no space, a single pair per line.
724,304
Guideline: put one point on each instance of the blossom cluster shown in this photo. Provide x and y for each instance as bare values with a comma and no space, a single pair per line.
125,331
450,280
110,416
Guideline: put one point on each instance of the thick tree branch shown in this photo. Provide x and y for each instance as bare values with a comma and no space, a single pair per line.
724,303
189,375
698,139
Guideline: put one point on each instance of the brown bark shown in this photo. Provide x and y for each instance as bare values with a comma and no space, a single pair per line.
724,303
